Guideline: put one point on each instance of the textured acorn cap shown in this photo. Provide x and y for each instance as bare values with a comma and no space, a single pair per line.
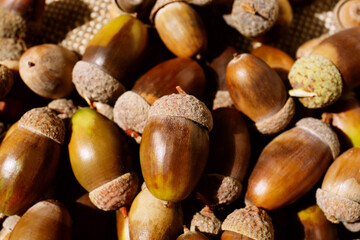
252,18
65,108
279,120
6,80
222,100
337,208
324,131
94,84
182,105
116,193
11,49
316,81
12,25
251,222
131,112
45,122
206,222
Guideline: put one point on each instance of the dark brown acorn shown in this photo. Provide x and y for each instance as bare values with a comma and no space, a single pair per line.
131,108
27,169
259,93
101,160
291,164
45,220
110,60
175,145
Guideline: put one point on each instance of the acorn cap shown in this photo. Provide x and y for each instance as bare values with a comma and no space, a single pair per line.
182,105
206,222
316,81
322,130
45,122
254,17
12,25
337,208
279,120
131,112
65,108
116,193
94,84
222,100
6,80
251,222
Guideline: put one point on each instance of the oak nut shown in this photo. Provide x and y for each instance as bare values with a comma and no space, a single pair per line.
48,219
27,169
180,27
347,14
131,108
47,70
175,145
339,196
110,60
259,93
291,164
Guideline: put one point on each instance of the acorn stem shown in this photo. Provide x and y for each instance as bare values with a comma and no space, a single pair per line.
299,92
180,90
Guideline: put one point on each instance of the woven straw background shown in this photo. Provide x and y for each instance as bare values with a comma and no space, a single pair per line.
72,23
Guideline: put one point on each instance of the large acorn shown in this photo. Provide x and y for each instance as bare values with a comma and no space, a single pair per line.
175,145
101,160
111,59
29,157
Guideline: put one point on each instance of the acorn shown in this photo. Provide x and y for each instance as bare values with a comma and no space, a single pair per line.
339,195
47,70
6,80
206,222
319,79
101,160
48,219
27,169
347,14
131,108
291,164
180,27
248,223
175,145
191,235
110,60
152,218
259,93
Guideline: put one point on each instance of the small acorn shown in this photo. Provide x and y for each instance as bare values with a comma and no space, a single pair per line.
110,60
339,195
47,219
206,222
6,80
47,70
175,145
101,160
152,218
347,14
27,169
131,108
291,164
259,93
191,235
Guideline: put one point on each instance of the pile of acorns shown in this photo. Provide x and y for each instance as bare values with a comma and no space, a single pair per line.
162,130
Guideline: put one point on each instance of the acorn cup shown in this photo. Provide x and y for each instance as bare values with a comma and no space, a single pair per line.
101,161
131,108
291,164
175,145
346,14
339,196
111,60
152,218
27,169
206,222
259,93
47,219
319,79
180,27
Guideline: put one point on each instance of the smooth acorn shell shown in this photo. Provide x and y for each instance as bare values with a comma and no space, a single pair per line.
287,168
118,48
152,218
173,155
28,164
181,29
46,220
97,149
165,77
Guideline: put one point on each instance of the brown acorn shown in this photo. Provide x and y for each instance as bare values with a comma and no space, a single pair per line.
152,218
259,93
346,14
27,169
47,219
131,108
175,145
291,164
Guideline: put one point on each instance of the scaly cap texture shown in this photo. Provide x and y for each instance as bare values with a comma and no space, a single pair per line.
12,25
206,222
